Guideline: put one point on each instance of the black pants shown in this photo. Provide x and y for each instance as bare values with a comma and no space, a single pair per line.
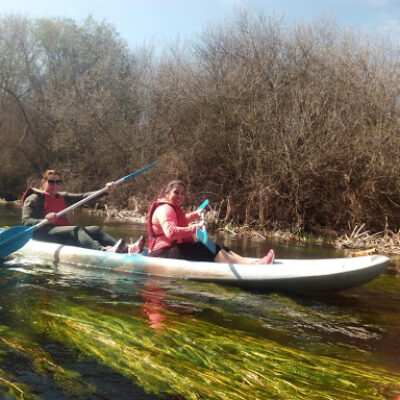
89,237
188,251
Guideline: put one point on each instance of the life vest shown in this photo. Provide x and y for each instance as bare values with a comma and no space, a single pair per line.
180,217
30,190
55,204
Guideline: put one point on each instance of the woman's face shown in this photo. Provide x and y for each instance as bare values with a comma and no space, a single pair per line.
52,184
176,195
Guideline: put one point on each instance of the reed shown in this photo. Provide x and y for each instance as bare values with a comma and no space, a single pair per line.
359,237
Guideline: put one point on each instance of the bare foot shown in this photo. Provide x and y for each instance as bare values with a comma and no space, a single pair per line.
268,259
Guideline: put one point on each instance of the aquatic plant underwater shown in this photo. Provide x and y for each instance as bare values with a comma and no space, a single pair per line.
186,340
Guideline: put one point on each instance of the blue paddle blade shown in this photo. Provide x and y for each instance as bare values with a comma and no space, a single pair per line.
204,204
202,235
14,238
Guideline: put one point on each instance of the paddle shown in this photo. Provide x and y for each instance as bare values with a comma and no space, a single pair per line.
16,237
202,234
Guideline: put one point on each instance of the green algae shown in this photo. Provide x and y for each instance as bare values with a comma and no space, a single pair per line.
199,360
41,363
12,388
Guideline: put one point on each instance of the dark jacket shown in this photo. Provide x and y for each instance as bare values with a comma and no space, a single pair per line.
33,205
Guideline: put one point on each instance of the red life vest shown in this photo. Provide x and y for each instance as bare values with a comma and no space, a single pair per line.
27,193
55,204
180,217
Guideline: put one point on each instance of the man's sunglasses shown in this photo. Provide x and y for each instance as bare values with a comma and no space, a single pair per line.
51,182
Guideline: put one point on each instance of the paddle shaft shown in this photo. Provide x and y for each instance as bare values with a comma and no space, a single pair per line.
202,210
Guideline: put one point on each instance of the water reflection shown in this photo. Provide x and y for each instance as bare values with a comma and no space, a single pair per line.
159,306
154,307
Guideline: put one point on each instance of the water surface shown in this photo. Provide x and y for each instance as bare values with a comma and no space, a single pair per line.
68,333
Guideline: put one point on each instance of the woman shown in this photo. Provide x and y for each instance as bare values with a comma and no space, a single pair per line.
171,236
47,201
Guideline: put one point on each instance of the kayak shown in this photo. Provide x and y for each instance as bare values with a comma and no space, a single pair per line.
293,275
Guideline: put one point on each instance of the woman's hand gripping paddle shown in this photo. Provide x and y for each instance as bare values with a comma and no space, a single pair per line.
16,237
202,234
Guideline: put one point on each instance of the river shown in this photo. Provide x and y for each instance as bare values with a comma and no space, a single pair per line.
68,333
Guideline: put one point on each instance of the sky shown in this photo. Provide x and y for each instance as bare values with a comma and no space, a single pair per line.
158,21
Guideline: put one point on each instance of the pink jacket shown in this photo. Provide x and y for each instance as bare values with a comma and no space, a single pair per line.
168,228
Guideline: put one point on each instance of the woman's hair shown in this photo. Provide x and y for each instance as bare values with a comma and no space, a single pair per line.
171,185
46,175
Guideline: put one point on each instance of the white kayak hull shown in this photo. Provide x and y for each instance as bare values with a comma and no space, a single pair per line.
305,275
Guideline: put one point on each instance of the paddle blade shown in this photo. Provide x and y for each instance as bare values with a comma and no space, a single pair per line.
14,238
203,205
202,235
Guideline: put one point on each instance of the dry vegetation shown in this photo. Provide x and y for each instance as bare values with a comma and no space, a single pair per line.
281,127
386,241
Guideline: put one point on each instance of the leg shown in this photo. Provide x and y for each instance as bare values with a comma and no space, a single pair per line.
95,238
91,237
66,235
268,259
230,257
186,251
97,234
233,258
198,252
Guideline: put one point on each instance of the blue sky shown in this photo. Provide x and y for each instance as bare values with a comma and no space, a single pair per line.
158,21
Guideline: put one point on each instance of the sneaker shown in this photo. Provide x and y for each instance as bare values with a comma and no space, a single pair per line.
118,247
136,247
268,259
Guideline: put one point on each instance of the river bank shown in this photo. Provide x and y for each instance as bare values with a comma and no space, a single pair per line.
356,239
